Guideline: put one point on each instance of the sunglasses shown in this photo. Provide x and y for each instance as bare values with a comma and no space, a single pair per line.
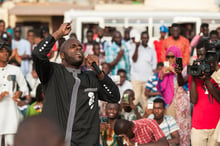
168,57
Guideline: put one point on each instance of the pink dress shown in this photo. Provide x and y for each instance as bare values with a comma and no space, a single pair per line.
183,112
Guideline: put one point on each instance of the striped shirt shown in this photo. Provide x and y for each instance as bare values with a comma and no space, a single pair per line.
168,125
152,82
112,53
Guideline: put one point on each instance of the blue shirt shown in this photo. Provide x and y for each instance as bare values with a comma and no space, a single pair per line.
112,52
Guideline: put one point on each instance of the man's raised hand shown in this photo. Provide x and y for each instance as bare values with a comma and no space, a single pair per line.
63,30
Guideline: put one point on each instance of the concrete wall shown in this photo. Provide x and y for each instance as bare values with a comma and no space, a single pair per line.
4,15
182,5
164,5
16,19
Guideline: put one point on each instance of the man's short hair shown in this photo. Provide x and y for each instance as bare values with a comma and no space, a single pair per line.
159,100
160,64
89,31
17,28
45,29
121,126
2,21
175,25
113,103
203,25
121,71
127,30
144,32
31,30
203,43
105,63
40,131
213,32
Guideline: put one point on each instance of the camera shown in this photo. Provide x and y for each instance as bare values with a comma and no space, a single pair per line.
201,67
198,68
213,45
216,46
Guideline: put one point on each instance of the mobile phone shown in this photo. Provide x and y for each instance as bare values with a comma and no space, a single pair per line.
179,61
126,98
150,105
104,119
166,63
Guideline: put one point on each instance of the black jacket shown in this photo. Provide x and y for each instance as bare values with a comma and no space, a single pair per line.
58,84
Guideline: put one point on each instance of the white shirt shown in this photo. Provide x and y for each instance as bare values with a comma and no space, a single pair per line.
131,48
23,47
125,86
33,82
10,76
142,69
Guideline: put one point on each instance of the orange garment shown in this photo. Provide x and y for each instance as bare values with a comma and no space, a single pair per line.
181,43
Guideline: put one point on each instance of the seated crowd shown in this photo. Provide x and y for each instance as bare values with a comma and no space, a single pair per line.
170,91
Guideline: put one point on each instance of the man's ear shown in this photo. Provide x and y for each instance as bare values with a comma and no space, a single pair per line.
62,55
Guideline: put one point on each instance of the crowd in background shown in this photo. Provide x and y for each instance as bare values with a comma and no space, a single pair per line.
152,84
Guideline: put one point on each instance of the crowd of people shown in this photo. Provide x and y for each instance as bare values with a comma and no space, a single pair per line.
165,94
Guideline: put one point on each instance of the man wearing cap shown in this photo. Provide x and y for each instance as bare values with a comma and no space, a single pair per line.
158,44
10,77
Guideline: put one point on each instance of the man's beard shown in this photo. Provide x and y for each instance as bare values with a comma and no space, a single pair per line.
73,62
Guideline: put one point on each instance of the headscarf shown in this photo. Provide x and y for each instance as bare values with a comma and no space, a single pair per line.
166,86
175,50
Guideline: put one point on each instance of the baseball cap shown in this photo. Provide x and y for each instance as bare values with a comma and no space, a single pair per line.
163,28
6,45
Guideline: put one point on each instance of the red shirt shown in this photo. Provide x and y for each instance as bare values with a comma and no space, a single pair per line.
146,131
158,48
206,112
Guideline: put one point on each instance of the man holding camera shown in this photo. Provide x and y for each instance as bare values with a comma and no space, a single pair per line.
205,95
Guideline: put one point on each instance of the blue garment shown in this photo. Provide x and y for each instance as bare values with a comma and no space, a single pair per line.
152,82
163,28
112,52
151,85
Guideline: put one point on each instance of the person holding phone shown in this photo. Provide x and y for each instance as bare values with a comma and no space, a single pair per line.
129,110
175,96
107,134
